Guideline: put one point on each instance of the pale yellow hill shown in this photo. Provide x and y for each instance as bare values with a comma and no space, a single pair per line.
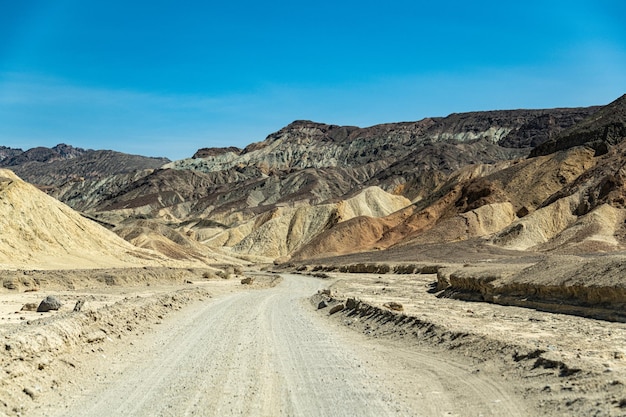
283,230
539,226
595,231
556,227
39,232
150,234
483,221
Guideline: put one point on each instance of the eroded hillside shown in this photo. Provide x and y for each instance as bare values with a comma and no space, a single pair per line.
317,190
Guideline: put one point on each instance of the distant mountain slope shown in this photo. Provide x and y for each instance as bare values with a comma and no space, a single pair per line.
457,178
62,163
314,162
599,131
42,154
7,153
572,200
306,144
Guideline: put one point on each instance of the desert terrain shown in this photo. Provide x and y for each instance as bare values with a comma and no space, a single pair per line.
470,265
180,344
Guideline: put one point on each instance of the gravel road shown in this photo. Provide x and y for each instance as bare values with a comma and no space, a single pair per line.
269,353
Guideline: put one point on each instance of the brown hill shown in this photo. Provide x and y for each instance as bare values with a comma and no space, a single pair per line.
282,231
490,202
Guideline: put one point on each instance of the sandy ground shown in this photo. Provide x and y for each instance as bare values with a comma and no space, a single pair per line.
565,365
266,353
216,347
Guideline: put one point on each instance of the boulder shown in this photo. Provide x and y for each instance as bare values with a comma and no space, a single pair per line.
49,303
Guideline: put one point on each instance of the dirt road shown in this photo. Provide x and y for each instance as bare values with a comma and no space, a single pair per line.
268,353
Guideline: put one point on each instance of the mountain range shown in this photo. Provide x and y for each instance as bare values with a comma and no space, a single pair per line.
512,180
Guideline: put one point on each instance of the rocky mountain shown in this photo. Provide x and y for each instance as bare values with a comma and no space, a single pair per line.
305,144
314,189
8,153
569,201
42,154
55,166
605,129
311,162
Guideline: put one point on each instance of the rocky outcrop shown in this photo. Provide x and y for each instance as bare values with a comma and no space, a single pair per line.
48,304
545,126
590,287
209,152
7,153
600,131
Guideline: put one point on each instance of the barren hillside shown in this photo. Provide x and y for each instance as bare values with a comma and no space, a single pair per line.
569,201
292,194
39,232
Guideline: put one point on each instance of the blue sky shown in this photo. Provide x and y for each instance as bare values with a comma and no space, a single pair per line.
164,78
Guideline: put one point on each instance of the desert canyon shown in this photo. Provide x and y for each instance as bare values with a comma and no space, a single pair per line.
468,265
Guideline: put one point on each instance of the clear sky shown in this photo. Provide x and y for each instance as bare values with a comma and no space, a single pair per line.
164,78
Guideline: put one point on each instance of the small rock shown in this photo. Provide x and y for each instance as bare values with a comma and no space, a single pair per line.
96,336
322,304
30,307
10,284
336,309
392,305
30,392
325,292
79,305
352,303
49,303
247,281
